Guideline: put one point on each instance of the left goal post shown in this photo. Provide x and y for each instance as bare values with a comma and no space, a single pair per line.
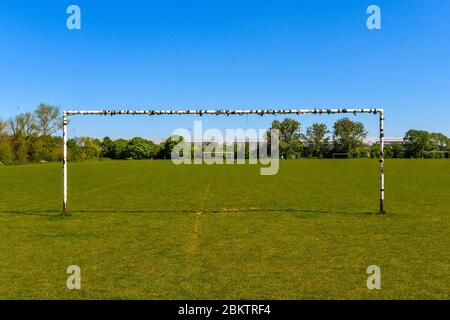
228,112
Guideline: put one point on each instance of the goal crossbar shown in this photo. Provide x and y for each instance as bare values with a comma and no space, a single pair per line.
260,112
219,112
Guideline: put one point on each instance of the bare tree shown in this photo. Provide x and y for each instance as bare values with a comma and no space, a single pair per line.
3,126
48,119
23,125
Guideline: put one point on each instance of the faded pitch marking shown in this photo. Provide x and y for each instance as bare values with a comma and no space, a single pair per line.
193,245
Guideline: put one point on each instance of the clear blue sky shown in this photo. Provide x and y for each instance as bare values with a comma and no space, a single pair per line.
227,53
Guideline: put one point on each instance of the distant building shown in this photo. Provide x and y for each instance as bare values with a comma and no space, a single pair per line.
387,140
368,141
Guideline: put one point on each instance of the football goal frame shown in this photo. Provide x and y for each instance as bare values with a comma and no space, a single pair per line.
260,112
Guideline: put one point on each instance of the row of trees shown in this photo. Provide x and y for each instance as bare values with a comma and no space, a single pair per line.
423,144
348,136
86,148
30,137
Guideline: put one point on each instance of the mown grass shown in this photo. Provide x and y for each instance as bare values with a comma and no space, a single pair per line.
153,230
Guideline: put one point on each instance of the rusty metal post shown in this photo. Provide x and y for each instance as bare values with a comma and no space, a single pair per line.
65,162
382,161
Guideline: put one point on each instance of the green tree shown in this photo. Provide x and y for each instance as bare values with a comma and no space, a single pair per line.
138,148
73,149
375,151
6,152
416,142
37,150
90,148
362,152
439,141
56,151
107,148
291,145
119,149
316,139
84,148
397,150
165,150
154,150
348,135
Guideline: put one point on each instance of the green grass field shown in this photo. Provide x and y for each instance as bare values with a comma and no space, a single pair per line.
153,230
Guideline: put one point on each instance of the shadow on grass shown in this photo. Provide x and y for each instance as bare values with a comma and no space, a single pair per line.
58,213
42,213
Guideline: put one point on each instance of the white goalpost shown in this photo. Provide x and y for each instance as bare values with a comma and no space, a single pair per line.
228,112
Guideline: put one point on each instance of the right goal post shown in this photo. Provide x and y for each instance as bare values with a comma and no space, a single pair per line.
228,112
